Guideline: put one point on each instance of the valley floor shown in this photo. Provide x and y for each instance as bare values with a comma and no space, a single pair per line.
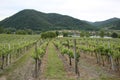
54,67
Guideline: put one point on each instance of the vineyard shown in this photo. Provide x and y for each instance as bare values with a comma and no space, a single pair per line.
28,57
13,46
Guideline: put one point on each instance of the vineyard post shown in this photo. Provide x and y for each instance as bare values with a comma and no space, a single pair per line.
75,56
36,60
97,55
3,59
68,43
69,56
111,58
8,55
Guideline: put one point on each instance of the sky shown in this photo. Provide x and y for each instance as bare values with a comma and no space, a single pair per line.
90,10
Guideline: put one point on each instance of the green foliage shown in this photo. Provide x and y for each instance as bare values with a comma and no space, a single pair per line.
82,34
67,51
55,67
13,47
26,31
21,32
9,30
108,34
48,35
102,33
114,35
87,34
1,30
64,50
113,23
77,55
38,54
38,21
57,33
65,44
70,53
65,34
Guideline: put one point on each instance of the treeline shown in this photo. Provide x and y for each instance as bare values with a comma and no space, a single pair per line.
14,31
83,34
63,33
101,33
49,35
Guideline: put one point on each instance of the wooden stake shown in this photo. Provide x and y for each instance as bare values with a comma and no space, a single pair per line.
75,56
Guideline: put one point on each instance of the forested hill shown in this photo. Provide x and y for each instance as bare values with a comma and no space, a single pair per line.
35,20
113,23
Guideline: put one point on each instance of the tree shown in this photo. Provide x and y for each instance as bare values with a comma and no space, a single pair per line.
102,33
48,35
1,30
114,35
23,32
108,34
9,30
57,33
65,34
29,31
82,34
87,34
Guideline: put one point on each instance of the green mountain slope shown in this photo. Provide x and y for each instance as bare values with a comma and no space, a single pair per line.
113,23
35,20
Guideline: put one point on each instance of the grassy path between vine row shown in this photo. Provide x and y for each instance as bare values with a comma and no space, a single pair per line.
54,67
89,70
22,69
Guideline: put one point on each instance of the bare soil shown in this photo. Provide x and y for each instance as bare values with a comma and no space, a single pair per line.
23,71
69,69
43,66
88,68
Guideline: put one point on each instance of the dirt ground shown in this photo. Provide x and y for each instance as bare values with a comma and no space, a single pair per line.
23,71
88,69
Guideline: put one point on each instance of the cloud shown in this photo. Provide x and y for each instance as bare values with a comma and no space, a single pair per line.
91,10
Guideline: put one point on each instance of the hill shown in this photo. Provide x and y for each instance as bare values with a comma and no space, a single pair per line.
35,20
113,23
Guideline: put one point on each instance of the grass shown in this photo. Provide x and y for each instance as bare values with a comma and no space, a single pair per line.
55,68
18,63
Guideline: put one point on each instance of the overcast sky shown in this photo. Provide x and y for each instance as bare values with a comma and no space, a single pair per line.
91,10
